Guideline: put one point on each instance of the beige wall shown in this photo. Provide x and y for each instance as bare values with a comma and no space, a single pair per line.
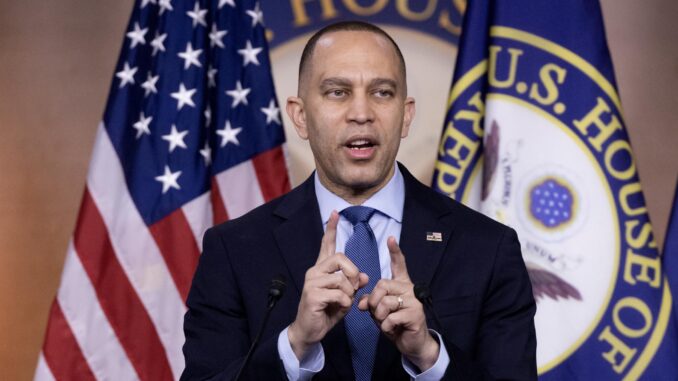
56,63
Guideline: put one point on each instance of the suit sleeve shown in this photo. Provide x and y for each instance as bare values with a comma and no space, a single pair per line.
216,326
506,340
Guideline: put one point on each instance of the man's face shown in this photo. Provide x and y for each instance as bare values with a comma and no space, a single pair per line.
353,109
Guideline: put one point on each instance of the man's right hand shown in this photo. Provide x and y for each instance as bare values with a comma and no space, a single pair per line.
329,288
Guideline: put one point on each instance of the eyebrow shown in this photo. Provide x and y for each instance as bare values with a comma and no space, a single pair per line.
335,81
345,82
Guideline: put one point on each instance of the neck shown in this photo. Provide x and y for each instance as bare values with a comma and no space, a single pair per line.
353,195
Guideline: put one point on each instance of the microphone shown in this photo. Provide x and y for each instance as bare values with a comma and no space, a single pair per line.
275,292
423,293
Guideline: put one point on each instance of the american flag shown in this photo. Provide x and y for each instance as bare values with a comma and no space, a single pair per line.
191,136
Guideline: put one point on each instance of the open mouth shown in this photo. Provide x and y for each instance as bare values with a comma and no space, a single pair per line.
361,148
360,144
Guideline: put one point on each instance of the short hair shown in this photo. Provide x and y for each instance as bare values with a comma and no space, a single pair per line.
348,26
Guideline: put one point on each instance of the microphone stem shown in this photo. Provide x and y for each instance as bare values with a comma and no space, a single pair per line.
248,357
429,305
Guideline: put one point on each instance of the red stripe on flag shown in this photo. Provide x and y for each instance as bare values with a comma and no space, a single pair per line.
272,173
62,352
218,207
177,244
117,296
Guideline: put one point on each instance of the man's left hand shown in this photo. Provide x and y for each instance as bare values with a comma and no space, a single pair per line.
399,314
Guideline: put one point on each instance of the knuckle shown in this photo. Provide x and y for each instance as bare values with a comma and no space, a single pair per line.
347,301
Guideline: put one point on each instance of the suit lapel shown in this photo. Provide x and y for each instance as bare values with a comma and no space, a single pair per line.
422,217
298,239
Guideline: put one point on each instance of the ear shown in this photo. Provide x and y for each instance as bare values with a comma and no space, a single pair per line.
295,110
408,116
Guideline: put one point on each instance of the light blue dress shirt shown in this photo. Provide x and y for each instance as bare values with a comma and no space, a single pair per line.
389,202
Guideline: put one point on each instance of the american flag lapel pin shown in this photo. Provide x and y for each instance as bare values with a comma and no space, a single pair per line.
434,236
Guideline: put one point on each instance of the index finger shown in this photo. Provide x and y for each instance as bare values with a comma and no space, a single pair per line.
328,243
398,265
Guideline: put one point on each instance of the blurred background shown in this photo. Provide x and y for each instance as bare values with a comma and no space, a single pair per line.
56,64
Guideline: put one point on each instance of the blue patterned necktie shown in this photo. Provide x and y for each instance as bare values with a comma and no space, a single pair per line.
362,250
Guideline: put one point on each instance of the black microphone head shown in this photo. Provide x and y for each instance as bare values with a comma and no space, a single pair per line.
278,286
422,292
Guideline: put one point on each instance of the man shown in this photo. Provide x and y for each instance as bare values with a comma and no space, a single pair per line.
350,311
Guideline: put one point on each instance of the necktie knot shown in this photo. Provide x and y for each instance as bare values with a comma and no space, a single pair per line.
358,214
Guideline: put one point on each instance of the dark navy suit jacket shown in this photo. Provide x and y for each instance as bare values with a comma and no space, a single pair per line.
478,280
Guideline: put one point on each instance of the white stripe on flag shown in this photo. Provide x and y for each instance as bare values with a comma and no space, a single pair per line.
42,372
90,327
239,189
136,249
199,216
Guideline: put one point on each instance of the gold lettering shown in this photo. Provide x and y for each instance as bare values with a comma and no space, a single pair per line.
513,67
459,142
644,265
460,5
593,119
643,236
360,10
617,348
639,306
475,117
615,147
446,23
403,7
301,16
551,76
624,194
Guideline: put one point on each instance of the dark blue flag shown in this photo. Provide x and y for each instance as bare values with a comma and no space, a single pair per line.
534,137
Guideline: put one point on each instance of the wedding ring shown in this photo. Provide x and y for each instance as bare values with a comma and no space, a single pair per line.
400,302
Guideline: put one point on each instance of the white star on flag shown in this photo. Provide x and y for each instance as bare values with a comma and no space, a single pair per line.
211,79
216,36
249,54
272,112
208,116
229,2
165,5
169,179
144,3
198,15
149,84
183,96
257,15
175,138
207,154
229,135
158,42
137,35
239,95
190,56
126,75
142,125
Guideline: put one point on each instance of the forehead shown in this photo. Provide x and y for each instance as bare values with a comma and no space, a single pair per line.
349,53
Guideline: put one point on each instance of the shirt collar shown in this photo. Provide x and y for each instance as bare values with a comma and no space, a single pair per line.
389,200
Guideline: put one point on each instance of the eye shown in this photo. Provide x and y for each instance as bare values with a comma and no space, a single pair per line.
336,93
384,93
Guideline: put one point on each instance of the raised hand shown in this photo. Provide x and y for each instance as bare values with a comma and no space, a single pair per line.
329,288
399,314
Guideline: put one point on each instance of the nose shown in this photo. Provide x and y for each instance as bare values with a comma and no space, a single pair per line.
360,109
